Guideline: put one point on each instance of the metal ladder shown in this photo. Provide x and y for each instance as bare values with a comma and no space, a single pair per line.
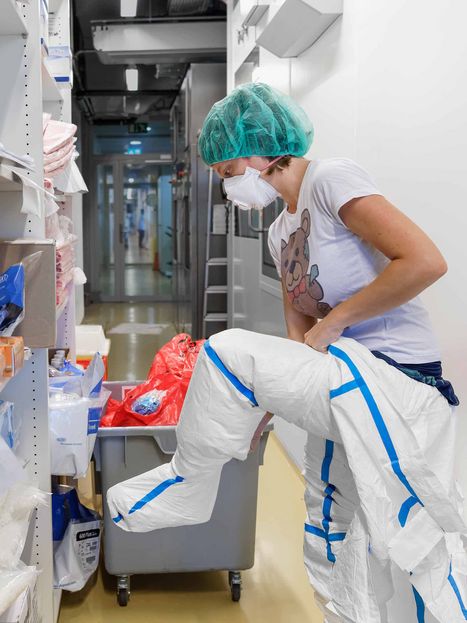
211,262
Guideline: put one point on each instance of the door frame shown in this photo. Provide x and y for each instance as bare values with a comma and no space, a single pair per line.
118,161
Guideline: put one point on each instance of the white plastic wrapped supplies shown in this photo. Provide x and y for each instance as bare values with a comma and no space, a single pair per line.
16,507
24,608
13,582
12,468
91,382
68,416
77,534
75,409
74,422
382,537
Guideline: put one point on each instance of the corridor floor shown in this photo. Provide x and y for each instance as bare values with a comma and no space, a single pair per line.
276,590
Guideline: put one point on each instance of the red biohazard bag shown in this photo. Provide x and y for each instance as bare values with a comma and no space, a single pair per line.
159,400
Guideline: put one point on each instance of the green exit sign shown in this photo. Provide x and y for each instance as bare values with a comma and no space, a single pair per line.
137,128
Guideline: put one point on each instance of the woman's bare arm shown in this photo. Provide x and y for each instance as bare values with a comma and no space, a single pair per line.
415,264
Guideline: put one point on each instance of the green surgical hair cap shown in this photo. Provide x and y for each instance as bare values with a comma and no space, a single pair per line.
254,120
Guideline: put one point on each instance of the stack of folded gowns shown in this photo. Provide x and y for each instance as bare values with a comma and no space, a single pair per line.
65,265
59,145
60,229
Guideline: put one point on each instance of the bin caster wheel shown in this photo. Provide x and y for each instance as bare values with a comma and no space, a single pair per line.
235,582
236,591
123,596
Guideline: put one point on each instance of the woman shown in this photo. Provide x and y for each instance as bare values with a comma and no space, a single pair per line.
345,255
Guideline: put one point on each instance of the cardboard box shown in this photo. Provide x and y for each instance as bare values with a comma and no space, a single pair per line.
12,349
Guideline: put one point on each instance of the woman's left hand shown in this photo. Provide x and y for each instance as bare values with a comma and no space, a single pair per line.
322,334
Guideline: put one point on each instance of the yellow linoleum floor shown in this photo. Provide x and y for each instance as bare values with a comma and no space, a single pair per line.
276,590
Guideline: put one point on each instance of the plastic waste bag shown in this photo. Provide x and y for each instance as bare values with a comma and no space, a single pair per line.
76,535
165,388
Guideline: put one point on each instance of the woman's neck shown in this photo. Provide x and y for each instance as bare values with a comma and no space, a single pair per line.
289,180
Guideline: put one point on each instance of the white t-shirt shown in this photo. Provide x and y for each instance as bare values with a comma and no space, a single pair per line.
323,263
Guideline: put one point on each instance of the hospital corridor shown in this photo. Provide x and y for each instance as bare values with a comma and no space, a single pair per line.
233,335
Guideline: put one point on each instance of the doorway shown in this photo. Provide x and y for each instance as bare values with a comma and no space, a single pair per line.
133,206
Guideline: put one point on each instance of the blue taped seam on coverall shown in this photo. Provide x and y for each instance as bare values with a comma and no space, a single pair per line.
150,496
405,509
457,592
329,452
213,356
391,451
346,387
377,418
154,493
420,606
335,536
327,503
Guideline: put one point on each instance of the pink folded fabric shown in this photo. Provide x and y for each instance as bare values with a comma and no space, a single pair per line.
57,167
56,134
58,154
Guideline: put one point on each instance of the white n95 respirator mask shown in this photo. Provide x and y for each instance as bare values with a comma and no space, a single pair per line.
250,190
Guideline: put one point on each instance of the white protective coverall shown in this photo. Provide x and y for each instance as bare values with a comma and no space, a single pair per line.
384,536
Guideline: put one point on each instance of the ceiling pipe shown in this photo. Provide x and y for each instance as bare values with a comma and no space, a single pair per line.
121,92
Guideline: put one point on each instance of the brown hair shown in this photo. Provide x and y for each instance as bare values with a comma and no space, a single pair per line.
283,163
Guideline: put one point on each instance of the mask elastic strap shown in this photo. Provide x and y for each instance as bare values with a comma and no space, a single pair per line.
271,163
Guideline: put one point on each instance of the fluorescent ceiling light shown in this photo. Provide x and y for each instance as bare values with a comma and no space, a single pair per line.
131,76
131,180
148,129
135,142
128,8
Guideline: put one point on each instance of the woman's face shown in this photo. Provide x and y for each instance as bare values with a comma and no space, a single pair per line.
237,166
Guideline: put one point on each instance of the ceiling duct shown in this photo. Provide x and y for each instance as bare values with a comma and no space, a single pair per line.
187,7
171,71
199,41
127,107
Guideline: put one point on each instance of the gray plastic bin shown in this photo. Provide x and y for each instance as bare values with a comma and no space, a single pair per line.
226,542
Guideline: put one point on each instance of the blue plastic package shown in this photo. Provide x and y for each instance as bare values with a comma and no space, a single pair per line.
9,425
149,403
11,299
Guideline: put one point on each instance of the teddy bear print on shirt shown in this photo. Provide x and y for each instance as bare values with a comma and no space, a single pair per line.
304,292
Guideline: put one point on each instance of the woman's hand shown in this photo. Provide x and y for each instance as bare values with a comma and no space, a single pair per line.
323,333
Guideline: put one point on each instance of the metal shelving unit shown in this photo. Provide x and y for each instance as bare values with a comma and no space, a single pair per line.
9,182
28,90
12,22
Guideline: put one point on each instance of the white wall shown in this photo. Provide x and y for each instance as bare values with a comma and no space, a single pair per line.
386,85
